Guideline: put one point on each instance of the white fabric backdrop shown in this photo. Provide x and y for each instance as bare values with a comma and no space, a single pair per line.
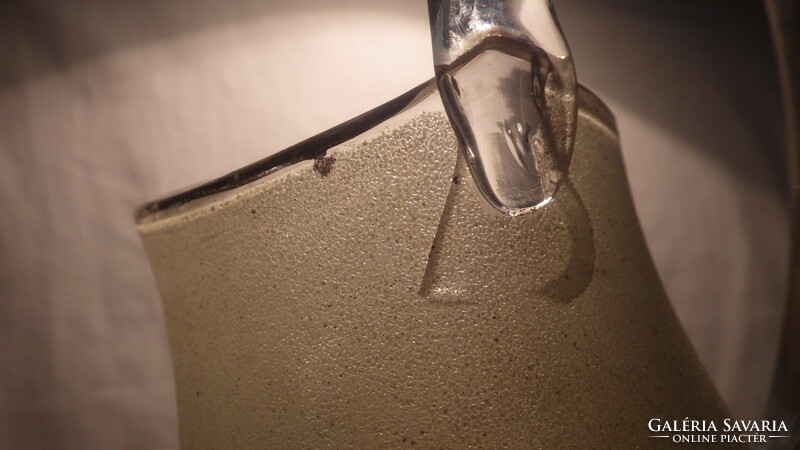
104,105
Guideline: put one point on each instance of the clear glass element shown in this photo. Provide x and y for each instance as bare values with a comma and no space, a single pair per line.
507,81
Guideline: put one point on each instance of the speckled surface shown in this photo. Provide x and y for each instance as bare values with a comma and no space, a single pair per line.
382,306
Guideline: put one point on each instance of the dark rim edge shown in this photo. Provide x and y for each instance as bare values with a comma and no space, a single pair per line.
319,145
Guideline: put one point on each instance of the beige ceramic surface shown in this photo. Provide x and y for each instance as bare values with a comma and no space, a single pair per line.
382,305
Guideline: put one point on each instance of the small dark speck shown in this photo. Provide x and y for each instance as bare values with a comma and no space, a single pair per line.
253,211
456,179
324,164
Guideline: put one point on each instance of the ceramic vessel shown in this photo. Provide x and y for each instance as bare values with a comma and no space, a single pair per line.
353,292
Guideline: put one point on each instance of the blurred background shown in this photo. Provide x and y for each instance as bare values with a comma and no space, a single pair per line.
107,104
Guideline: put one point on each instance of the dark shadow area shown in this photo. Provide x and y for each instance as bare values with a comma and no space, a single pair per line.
655,57
579,271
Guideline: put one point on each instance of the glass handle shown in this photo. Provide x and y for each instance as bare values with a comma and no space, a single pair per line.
507,81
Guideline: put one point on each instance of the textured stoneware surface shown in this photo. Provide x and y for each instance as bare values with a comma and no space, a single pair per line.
381,305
